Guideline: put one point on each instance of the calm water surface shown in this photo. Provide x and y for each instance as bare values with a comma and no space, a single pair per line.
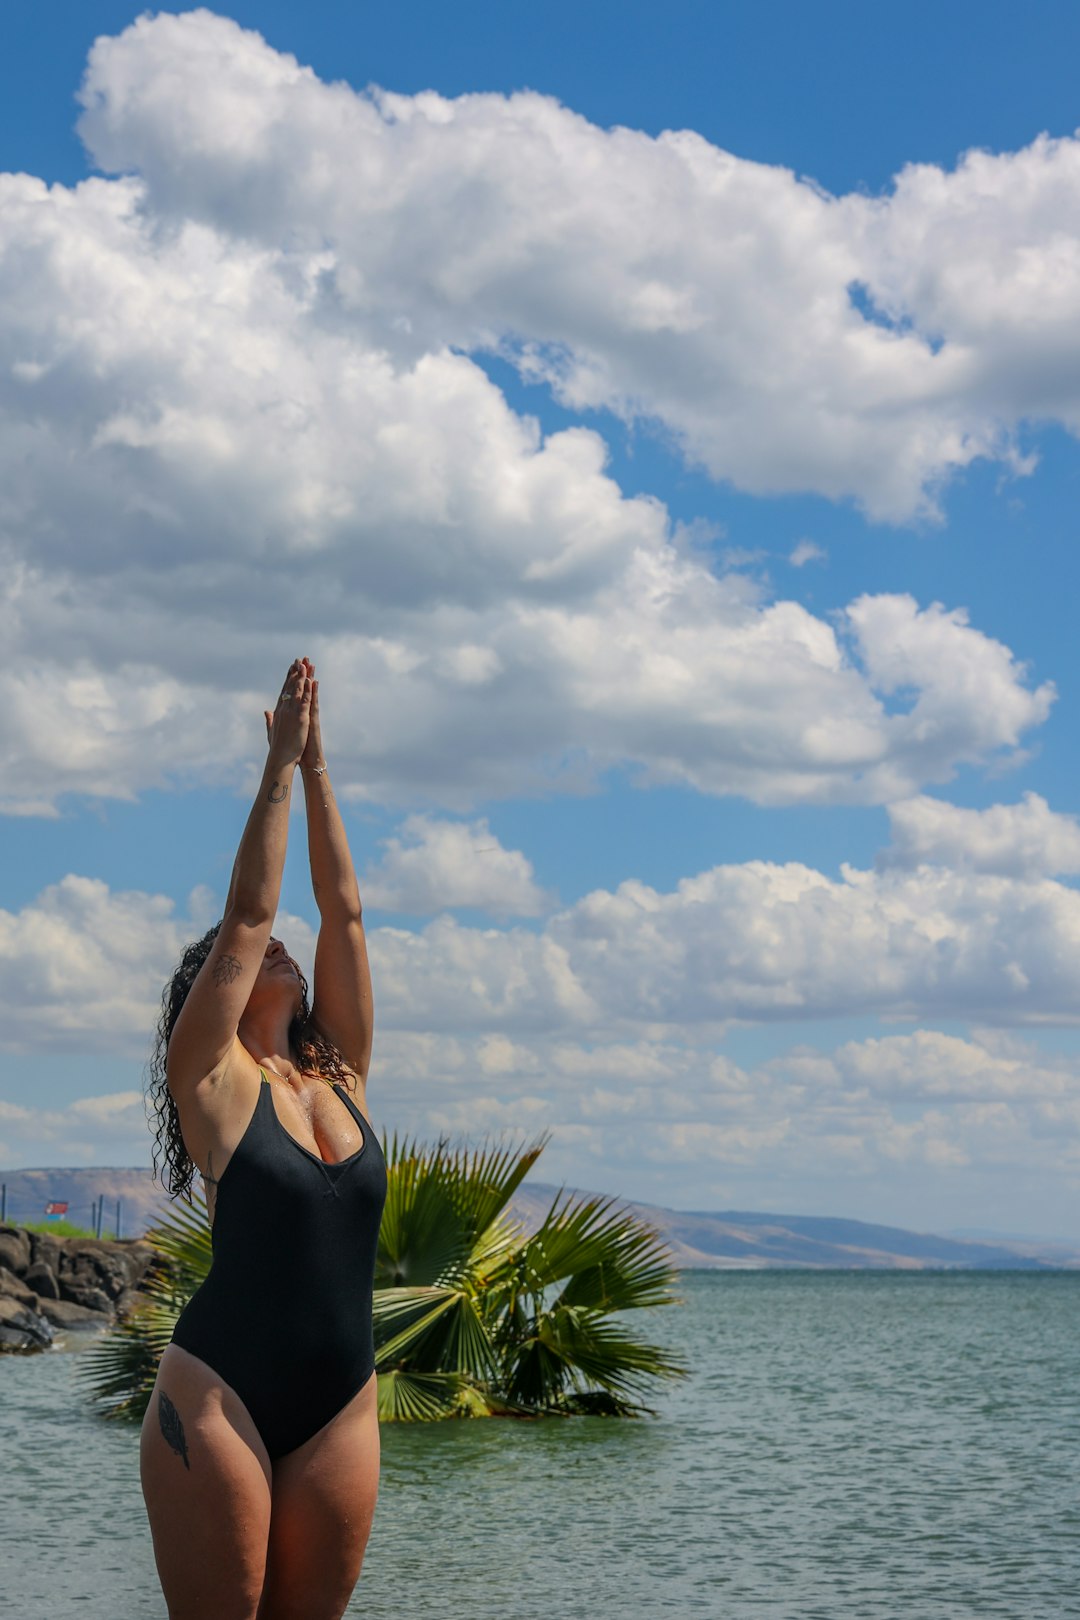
848,1445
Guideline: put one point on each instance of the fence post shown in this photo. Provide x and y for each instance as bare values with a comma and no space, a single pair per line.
3,1201
118,1220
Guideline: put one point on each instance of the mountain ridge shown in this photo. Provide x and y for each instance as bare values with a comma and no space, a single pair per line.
730,1240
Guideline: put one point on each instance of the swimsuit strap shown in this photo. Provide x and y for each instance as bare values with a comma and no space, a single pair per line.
322,1077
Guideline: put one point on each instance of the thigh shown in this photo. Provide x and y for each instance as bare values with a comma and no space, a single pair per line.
206,1480
323,1504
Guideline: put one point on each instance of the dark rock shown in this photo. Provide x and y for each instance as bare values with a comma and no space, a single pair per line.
15,1288
90,1298
110,1268
76,1318
42,1279
45,1250
22,1329
14,1248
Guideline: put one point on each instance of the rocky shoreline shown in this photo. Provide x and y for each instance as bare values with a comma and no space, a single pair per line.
50,1284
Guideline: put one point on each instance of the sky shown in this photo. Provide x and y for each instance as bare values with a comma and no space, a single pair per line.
660,426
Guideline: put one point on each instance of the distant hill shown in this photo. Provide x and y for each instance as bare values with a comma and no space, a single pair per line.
141,1200
719,1240
735,1240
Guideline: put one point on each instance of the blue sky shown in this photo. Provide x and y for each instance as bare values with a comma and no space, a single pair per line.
683,527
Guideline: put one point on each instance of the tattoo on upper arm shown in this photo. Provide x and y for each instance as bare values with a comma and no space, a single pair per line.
278,793
227,970
172,1428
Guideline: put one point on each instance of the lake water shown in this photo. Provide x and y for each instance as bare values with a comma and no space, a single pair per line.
862,1445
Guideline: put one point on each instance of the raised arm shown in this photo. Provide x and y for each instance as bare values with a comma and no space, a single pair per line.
342,1005
205,1032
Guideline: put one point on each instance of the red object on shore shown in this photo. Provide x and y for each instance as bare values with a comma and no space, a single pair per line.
56,1209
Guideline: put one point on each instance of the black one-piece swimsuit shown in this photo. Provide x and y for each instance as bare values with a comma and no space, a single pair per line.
284,1315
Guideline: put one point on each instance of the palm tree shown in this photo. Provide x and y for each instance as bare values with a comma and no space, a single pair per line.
472,1316
119,1372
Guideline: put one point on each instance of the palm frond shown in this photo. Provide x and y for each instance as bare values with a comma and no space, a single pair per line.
184,1238
571,1349
471,1317
413,1397
483,1181
118,1373
422,1238
440,1328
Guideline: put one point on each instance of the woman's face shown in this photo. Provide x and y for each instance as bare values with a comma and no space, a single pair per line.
278,973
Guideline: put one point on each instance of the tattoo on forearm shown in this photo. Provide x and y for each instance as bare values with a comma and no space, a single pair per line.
227,970
277,793
172,1428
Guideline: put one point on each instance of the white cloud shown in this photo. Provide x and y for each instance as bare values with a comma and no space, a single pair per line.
243,421
82,966
673,1120
443,865
510,619
853,346
806,551
113,1126
768,942
1025,840
747,943
677,1120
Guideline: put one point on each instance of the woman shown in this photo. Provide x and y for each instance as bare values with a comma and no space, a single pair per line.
260,1447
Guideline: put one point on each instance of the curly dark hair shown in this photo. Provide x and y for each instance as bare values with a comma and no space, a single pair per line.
173,1164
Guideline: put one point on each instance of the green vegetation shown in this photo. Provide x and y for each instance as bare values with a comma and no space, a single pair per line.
62,1229
472,1317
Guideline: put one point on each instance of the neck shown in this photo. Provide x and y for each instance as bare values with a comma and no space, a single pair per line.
266,1036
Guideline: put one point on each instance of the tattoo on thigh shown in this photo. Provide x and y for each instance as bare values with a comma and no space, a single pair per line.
227,969
278,793
172,1428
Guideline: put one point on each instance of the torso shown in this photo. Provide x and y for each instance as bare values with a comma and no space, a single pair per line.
312,1114
284,1314
307,1107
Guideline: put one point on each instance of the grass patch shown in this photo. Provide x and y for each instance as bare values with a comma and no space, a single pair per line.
63,1229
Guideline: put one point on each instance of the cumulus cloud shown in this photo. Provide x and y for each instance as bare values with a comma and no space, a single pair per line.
254,393
792,340
682,1119
1024,840
806,551
186,435
751,943
445,865
608,1028
763,941
922,1101
113,1125
82,966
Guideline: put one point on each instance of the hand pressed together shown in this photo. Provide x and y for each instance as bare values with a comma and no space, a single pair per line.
287,729
313,754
